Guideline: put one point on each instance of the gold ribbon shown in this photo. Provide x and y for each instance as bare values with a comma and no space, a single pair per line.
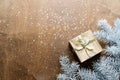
84,44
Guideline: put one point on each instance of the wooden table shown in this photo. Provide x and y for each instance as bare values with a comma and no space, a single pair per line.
35,33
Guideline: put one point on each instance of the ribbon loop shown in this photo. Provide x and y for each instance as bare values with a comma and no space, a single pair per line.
84,44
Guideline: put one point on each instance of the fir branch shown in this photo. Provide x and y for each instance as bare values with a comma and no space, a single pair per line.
107,68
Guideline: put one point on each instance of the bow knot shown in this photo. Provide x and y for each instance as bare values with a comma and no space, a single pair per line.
84,44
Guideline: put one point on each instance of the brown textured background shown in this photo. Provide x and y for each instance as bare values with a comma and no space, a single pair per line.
34,33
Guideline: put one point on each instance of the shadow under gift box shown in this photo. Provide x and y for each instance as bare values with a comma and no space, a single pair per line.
88,49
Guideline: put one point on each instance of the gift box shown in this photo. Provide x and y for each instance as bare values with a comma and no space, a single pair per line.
85,46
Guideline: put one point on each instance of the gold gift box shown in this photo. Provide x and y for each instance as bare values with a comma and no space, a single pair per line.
85,46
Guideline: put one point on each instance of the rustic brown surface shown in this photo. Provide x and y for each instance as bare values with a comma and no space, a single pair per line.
34,33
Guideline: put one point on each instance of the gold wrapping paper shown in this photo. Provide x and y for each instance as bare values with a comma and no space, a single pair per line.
87,50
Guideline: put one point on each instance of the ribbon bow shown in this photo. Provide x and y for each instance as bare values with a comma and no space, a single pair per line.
84,44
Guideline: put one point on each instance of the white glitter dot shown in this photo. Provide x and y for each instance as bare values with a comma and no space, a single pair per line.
28,50
33,40
41,42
